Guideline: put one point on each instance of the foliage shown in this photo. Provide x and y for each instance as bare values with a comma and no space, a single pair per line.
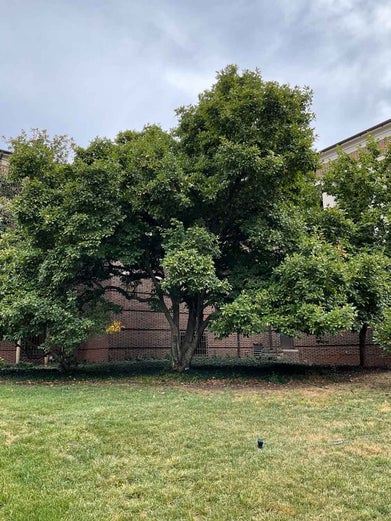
382,332
52,260
114,327
202,212
8,190
361,186
340,277
188,263
305,294
369,285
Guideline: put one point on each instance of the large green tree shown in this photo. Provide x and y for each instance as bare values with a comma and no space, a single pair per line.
52,258
220,202
339,277
201,212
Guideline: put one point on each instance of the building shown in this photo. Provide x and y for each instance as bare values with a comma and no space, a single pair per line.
146,334
4,155
381,133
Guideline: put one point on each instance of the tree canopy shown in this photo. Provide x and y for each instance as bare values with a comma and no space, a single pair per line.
51,257
202,212
361,223
339,277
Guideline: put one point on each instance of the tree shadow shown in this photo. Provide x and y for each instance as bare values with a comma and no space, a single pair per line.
230,371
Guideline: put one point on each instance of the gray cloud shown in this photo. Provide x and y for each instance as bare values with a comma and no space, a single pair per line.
92,67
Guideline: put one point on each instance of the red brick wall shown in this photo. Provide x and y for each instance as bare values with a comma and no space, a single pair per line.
7,351
146,334
342,349
96,349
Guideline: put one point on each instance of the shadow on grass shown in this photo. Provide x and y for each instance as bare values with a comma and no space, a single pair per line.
202,371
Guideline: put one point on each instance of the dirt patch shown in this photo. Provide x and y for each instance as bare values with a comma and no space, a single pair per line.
385,407
10,438
370,449
312,386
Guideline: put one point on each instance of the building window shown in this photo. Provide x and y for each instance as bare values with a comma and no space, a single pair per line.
30,346
286,342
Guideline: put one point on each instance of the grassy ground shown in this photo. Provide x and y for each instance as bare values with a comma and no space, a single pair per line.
147,444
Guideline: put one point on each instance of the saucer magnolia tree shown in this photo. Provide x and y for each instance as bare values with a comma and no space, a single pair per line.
219,203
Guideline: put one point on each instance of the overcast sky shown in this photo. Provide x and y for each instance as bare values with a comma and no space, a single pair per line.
94,67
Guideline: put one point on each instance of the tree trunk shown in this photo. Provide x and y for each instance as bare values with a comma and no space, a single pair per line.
175,336
182,351
363,345
186,351
183,348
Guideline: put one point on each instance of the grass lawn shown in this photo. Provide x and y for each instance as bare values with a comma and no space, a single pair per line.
134,445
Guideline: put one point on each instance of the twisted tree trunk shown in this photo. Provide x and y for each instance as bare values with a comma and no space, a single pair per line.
184,346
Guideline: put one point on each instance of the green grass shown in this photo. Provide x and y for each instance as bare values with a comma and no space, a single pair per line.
152,445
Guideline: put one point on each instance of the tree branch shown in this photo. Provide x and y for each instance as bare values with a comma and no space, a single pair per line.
160,294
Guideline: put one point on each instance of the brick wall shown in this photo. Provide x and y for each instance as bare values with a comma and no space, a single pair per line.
95,349
342,349
7,351
146,334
